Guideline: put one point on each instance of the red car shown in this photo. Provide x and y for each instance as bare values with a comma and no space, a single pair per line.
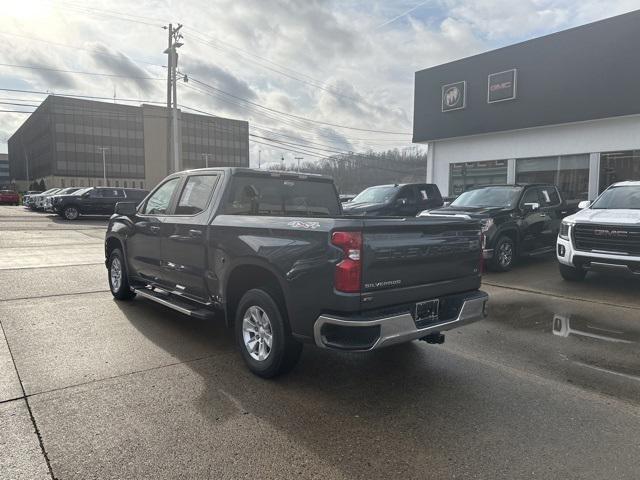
8,197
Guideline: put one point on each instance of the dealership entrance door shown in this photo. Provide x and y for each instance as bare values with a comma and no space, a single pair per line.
619,166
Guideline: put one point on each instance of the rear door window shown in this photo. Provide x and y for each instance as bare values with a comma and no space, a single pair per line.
262,195
196,194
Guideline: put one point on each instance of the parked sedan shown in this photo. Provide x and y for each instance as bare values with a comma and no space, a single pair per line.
95,201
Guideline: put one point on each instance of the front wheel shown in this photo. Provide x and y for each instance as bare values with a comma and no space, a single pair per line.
118,278
71,213
266,344
572,274
504,255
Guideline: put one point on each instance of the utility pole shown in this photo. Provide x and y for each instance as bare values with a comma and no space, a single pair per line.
298,159
206,159
172,96
104,150
259,159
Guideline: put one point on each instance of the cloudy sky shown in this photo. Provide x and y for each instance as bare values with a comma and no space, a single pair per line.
301,71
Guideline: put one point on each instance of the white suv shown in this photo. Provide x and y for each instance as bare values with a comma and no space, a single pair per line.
603,235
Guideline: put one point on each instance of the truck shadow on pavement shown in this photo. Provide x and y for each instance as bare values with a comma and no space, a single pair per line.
398,412
346,408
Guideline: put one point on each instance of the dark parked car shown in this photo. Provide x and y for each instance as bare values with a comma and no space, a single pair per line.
272,255
94,201
516,220
400,200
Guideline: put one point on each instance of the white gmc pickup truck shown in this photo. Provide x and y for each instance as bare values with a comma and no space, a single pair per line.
603,235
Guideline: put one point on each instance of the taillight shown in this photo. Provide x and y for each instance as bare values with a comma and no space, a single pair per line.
348,271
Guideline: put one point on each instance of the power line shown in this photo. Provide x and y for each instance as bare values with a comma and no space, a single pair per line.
52,69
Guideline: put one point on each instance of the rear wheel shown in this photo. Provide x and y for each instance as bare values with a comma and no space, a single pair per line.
504,255
118,277
572,274
71,213
263,335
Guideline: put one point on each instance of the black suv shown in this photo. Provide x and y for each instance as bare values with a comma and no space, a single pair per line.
95,201
520,219
401,200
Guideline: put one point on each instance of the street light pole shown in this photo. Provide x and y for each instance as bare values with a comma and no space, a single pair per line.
206,159
104,150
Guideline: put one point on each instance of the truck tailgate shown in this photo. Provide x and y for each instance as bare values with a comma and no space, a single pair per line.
414,259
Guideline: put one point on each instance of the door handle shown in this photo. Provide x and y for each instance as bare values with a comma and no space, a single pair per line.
154,228
195,233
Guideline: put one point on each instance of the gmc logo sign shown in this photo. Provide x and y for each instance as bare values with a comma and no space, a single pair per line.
610,233
501,86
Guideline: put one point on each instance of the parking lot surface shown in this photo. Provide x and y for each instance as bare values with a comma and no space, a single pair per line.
547,387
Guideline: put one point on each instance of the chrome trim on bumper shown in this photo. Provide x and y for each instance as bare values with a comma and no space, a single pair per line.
402,328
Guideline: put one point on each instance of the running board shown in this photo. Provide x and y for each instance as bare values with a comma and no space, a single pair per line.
176,304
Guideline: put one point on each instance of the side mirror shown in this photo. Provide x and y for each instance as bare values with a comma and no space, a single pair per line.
531,207
446,204
127,209
584,204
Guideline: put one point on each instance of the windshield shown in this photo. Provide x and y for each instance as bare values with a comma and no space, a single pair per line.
81,191
381,194
627,197
489,197
51,190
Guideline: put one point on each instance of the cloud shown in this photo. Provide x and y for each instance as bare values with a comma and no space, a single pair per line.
118,63
218,77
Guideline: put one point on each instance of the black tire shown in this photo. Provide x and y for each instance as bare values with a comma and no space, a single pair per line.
572,274
71,212
284,351
504,255
120,290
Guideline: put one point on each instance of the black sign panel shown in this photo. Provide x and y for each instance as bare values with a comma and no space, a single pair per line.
453,96
565,77
502,86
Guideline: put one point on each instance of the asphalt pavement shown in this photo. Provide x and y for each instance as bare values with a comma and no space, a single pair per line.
547,387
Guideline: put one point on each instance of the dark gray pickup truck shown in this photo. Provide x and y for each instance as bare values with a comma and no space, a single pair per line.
272,254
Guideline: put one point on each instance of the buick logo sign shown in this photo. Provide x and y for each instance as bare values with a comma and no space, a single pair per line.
453,96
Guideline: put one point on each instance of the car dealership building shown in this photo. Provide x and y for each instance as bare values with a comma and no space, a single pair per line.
563,108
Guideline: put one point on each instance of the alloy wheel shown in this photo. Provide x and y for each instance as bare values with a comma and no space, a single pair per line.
257,333
505,254
116,274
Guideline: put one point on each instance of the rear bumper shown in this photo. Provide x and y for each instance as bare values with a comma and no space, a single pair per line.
345,333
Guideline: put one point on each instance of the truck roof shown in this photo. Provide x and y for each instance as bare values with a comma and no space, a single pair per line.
265,173
627,183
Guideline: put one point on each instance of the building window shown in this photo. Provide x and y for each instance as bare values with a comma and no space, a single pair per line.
570,173
619,166
467,175
117,183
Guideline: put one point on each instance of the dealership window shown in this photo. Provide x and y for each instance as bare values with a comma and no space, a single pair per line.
570,173
463,176
619,166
